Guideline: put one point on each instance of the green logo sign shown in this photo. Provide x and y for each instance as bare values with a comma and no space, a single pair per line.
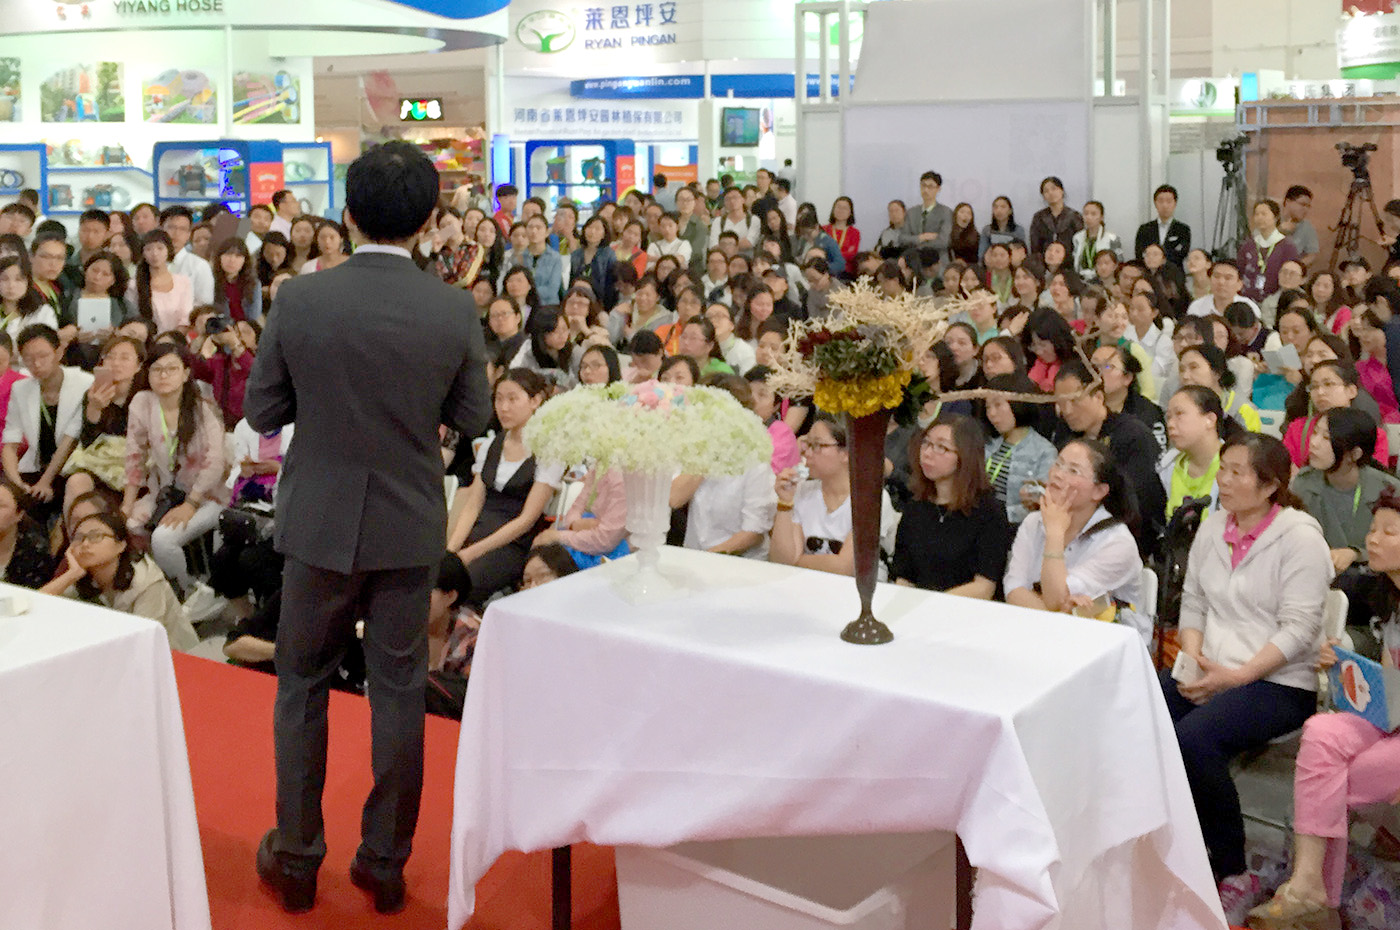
546,31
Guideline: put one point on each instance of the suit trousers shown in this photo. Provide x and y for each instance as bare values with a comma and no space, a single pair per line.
319,611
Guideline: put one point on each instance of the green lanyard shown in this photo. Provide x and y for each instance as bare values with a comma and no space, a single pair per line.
1265,255
44,412
992,473
1356,498
171,442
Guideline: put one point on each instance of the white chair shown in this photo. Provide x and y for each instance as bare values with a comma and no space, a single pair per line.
1149,594
1334,626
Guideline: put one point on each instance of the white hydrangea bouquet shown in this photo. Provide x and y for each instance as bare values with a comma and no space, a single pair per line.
649,427
653,432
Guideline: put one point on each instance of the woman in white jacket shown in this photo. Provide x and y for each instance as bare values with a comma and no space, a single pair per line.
1251,619
1091,240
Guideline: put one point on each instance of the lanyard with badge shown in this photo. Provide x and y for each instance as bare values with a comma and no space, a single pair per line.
1263,263
171,441
999,462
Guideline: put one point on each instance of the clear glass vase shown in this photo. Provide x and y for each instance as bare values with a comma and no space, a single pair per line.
648,519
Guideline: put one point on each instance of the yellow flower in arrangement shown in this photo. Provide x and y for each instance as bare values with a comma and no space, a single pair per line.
860,397
858,359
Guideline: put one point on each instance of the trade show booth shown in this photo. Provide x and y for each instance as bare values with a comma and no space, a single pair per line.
167,101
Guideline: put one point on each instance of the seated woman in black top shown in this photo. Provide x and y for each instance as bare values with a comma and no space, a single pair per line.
953,536
503,507
24,550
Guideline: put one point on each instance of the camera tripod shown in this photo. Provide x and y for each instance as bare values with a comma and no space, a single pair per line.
1231,213
1348,241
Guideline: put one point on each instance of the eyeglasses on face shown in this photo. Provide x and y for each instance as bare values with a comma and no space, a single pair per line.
810,444
92,536
1074,471
940,448
166,369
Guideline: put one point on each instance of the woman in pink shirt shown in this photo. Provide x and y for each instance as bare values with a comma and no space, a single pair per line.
8,376
595,527
1369,338
786,454
161,294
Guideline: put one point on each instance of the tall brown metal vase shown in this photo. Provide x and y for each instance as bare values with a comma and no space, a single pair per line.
866,452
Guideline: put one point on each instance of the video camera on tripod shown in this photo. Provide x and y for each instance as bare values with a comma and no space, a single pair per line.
1230,154
1360,196
1357,158
1231,227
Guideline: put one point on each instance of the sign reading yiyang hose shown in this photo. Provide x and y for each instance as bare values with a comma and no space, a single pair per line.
310,27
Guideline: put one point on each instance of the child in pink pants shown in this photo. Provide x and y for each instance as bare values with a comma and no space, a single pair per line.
1344,762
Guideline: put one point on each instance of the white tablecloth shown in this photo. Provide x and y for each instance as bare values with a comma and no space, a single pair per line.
1041,739
97,820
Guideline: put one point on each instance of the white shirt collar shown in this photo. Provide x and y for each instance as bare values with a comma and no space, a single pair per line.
371,247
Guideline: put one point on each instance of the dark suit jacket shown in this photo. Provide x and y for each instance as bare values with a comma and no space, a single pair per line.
1178,240
367,359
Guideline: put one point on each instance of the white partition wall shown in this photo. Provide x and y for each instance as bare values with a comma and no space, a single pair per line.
995,97
1117,167
982,150
959,50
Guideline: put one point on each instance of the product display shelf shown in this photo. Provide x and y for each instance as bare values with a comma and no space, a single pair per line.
316,191
101,187
26,163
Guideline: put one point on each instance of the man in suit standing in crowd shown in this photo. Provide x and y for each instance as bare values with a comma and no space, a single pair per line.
367,359
1171,234
929,226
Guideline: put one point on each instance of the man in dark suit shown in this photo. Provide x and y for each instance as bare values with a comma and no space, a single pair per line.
367,359
1172,235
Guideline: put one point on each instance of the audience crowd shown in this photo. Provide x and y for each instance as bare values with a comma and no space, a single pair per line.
1223,421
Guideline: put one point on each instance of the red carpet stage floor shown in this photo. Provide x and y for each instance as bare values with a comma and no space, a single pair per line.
228,725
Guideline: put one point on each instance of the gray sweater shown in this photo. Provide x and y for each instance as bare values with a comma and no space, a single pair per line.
1344,516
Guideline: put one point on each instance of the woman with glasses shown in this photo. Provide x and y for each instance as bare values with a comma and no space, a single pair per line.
175,457
1251,624
102,567
812,528
953,534
1077,553
1119,367
1333,383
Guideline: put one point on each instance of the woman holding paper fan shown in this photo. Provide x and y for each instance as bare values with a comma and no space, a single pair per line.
1343,762
1251,620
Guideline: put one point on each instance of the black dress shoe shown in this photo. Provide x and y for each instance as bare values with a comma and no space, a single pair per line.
390,895
296,888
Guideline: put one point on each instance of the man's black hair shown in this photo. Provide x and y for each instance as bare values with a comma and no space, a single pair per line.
390,191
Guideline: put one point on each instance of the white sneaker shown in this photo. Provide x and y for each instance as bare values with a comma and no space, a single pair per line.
202,604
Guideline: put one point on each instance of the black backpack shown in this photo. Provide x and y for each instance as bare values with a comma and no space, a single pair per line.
1171,567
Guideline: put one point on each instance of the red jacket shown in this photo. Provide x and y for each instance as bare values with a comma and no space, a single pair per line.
228,376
